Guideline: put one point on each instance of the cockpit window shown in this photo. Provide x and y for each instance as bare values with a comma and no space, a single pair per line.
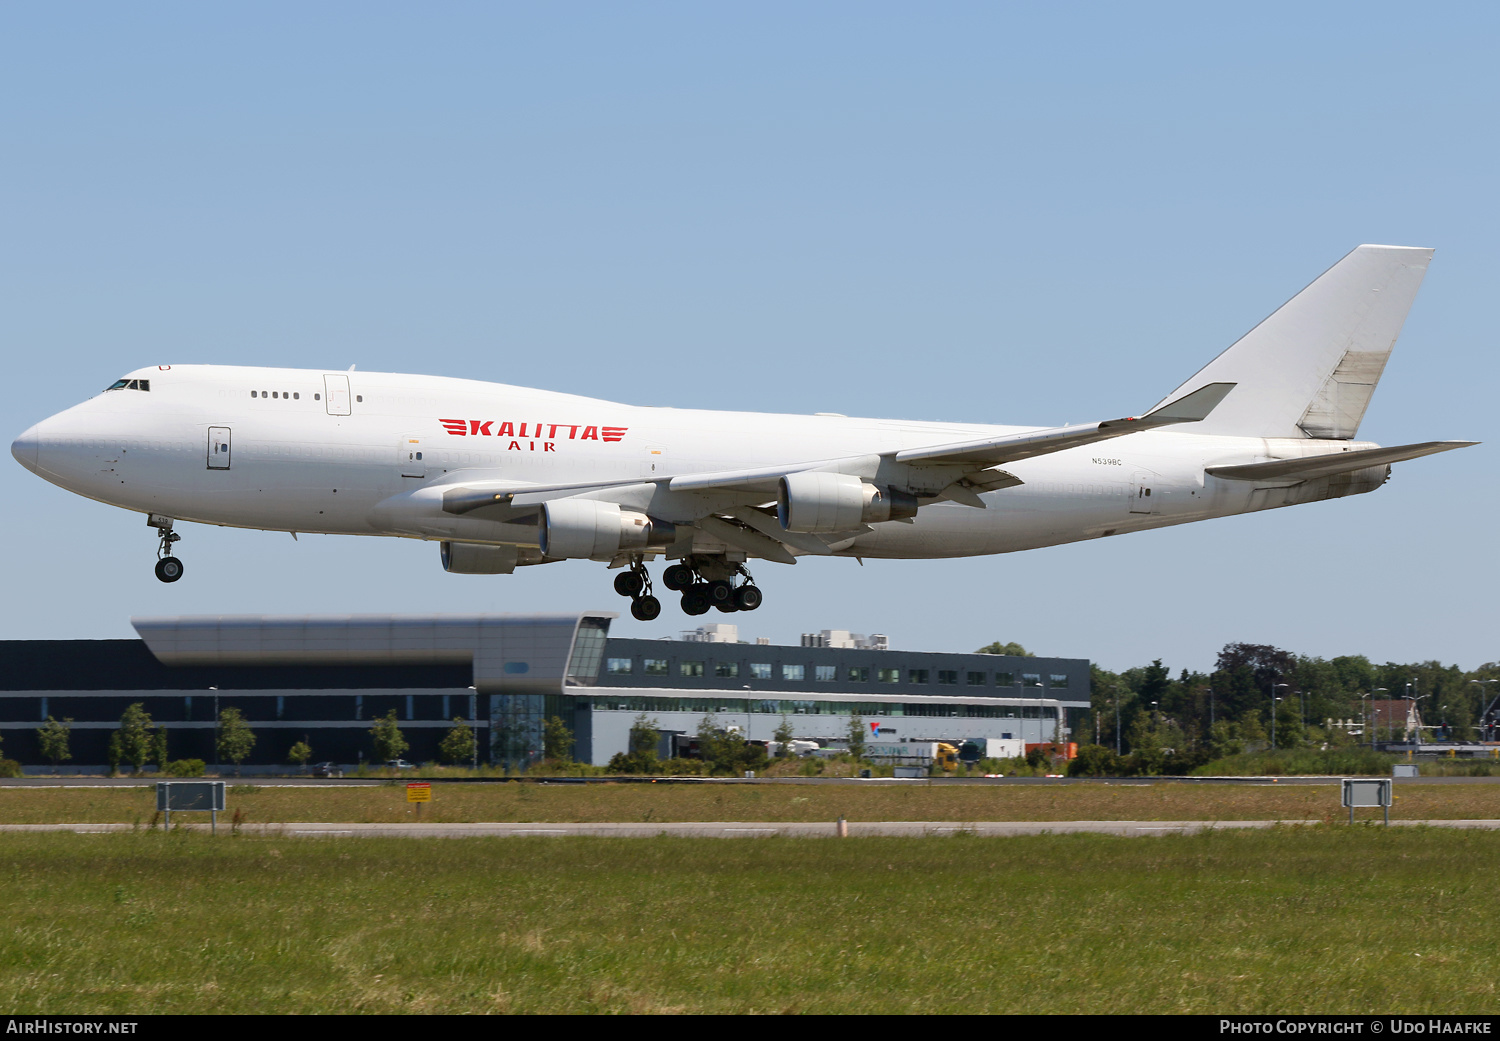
117,385
128,385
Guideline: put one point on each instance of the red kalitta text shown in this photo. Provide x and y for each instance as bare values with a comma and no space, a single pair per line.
549,431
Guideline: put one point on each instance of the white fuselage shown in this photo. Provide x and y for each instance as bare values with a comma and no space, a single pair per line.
363,453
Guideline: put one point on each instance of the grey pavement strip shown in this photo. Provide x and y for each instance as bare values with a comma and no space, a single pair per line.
740,829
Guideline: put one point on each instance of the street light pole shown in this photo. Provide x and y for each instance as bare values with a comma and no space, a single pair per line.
474,728
1116,689
1274,699
1484,712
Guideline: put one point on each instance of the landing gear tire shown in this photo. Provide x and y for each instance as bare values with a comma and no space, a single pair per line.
728,606
695,600
169,569
747,598
720,592
645,609
677,577
629,583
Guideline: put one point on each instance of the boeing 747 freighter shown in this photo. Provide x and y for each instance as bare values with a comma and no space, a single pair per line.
504,477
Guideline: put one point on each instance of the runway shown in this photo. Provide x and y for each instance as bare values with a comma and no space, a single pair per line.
739,829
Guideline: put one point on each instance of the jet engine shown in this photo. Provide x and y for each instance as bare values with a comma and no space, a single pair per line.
827,502
575,528
476,558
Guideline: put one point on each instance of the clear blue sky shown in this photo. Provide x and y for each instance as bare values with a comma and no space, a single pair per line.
1029,214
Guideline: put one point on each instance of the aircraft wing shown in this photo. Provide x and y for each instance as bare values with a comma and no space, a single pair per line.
1310,467
979,456
993,451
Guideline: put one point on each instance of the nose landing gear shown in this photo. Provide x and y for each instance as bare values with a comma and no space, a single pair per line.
636,584
168,567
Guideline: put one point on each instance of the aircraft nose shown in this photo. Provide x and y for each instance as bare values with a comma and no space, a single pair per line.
27,447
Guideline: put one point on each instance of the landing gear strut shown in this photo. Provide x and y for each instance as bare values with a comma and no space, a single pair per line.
707,583
636,584
168,567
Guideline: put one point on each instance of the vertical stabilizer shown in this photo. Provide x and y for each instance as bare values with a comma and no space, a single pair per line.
1309,370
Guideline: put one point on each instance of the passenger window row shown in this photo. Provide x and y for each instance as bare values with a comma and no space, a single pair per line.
292,395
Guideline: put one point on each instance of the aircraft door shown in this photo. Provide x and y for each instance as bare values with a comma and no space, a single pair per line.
409,457
655,456
1140,492
336,394
218,448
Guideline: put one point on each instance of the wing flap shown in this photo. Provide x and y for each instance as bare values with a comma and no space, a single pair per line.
746,539
1310,467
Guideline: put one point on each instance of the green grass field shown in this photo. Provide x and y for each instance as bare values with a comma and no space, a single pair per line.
549,803
1362,919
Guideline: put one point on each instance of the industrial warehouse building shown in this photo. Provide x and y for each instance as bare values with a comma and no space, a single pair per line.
323,680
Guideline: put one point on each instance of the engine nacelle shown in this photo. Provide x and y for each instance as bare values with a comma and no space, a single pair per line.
475,558
588,528
826,502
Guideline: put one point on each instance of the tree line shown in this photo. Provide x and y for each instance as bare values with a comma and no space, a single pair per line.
1260,696
139,740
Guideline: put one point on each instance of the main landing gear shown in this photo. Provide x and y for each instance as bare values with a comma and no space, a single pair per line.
168,567
707,582
636,584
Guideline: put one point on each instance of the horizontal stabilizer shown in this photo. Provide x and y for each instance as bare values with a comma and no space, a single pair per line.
1310,467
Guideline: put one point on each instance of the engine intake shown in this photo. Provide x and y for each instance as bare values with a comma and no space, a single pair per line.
587,528
819,503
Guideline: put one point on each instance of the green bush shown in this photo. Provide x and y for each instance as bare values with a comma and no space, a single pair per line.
185,768
1283,761
1095,761
9,768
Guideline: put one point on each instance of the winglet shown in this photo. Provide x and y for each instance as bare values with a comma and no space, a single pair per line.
1191,408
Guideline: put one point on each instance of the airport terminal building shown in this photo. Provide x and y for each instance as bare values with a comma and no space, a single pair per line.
324,679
